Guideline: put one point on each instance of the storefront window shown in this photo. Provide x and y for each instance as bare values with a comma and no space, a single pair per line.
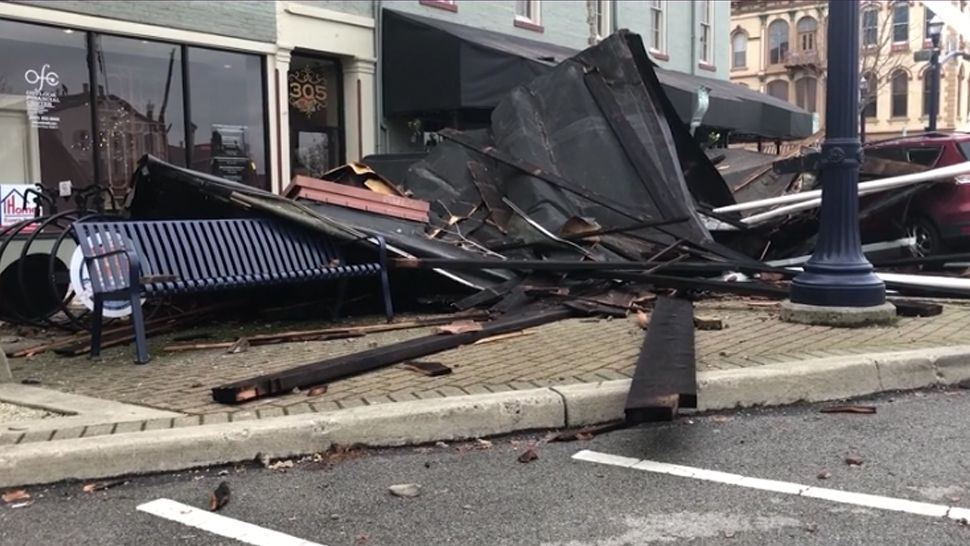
227,106
45,116
313,93
139,105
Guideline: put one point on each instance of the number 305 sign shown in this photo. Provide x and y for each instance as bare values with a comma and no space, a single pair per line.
308,91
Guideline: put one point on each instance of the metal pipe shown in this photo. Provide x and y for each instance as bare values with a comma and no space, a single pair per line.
873,185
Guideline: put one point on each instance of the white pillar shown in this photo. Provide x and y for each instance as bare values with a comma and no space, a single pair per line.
281,151
359,109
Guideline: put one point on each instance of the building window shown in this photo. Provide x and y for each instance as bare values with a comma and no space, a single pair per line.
602,18
927,18
139,105
45,109
739,50
527,11
870,27
707,31
228,133
901,22
657,26
778,89
805,93
316,127
927,92
777,42
870,100
900,96
806,28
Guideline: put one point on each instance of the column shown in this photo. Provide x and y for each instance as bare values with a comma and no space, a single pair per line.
360,114
281,152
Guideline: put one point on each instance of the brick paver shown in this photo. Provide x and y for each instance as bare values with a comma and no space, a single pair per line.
571,351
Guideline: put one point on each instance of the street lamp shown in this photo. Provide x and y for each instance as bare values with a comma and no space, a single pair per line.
864,99
838,274
935,28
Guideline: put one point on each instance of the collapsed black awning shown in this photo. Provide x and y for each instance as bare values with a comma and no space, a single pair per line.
438,66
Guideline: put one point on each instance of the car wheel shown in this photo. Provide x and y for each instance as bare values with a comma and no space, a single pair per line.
927,238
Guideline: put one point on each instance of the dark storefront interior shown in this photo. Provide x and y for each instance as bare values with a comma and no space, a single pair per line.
191,106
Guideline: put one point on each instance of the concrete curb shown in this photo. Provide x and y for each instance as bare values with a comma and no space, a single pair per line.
464,417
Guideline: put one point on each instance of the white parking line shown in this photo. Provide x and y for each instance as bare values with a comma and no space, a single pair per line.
788,488
220,525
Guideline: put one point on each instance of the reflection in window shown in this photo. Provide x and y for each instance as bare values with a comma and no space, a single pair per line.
139,106
44,106
228,127
778,89
777,42
900,97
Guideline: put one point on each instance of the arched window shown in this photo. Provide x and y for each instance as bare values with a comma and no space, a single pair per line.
806,28
870,104
777,42
739,50
870,27
778,89
898,87
805,93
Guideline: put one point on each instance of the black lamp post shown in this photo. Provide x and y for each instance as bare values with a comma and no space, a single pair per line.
935,29
864,95
838,274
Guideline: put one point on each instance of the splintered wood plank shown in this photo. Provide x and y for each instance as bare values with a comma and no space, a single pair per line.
665,377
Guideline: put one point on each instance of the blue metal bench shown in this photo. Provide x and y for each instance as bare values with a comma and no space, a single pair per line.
130,260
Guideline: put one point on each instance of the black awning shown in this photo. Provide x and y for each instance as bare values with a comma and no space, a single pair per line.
437,66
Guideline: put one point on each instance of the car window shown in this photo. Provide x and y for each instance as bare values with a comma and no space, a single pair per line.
964,148
888,152
923,156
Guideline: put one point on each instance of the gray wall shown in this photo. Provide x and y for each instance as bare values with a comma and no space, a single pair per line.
681,31
364,8
564,21
252,20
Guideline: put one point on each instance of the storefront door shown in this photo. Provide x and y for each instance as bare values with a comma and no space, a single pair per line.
316,115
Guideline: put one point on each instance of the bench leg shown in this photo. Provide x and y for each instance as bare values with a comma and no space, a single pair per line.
341,293
138,321
96,326
386,291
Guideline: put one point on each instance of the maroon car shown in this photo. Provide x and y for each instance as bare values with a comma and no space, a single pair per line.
937,217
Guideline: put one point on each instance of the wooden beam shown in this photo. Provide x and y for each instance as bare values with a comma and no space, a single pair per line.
665,377
332,369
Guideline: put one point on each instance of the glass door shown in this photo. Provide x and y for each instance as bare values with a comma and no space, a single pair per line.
316,117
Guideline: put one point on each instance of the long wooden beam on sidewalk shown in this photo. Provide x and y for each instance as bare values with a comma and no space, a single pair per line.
339,367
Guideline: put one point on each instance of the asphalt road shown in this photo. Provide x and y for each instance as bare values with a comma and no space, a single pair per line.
916,447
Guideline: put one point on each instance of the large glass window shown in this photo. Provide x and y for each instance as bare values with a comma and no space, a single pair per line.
870,27
901,22
777,42
45,116
900,95
315,125
228,123
139,105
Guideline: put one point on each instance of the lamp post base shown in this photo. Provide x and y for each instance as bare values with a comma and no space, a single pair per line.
839,317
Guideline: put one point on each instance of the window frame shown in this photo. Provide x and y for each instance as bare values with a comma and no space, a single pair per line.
874,29
779,81
905,5
783,47
734,50
706,36
534,15
658,33
899,75
812,35
801,84
873,112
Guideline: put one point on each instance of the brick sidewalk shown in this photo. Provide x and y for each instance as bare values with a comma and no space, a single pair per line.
571,351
